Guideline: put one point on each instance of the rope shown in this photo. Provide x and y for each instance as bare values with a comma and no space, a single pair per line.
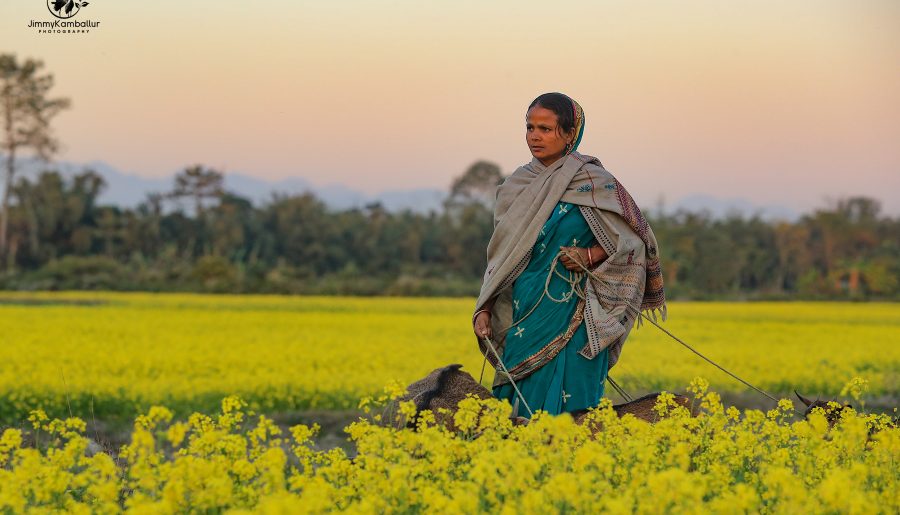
619,389
574,280
711,362
516,388
677,339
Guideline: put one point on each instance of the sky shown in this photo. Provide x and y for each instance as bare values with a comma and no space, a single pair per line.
791,103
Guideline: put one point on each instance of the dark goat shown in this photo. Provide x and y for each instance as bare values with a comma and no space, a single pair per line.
445,387
832,414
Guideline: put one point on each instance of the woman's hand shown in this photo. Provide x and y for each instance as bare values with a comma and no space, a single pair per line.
483,325
581,258
574,259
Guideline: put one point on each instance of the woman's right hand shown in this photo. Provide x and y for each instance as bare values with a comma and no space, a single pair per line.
483,325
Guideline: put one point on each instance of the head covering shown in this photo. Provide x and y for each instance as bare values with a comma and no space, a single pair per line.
579,123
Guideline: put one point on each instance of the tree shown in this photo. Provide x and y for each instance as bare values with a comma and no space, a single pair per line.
198,183
26,121
53,216
479,183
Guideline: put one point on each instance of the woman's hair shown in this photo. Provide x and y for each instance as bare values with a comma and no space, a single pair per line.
559,104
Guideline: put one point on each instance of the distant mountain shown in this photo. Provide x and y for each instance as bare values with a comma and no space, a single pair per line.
122,189
129,189
721,208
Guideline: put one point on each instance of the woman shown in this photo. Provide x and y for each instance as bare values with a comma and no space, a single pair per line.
571,264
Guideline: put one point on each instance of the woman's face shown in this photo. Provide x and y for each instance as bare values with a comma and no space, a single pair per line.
544,137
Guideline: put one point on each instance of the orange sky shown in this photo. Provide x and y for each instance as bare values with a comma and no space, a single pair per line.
789,103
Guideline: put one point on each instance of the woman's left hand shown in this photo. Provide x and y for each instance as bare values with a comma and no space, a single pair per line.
576,253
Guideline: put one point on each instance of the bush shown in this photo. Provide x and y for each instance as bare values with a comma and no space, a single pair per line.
77,273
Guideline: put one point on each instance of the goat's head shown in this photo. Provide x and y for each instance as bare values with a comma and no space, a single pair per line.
832,412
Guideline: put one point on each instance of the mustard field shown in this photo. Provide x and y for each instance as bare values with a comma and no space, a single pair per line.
116,354
721,461
197,378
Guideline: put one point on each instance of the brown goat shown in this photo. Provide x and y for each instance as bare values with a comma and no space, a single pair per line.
642,408
445,387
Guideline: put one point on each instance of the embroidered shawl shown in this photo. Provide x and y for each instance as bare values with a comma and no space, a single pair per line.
631,275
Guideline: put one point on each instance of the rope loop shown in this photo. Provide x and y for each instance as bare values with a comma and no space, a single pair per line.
574,280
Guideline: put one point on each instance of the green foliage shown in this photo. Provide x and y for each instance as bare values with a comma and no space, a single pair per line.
845,252
215,273
60,239
78,273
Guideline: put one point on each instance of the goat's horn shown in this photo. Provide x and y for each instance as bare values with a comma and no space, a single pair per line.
803,399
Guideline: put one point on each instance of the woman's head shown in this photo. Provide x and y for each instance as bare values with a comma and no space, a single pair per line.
553,126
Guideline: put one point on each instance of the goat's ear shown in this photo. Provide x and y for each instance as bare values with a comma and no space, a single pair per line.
515,409
803,399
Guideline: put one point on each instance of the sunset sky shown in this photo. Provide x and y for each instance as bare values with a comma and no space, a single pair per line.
778,102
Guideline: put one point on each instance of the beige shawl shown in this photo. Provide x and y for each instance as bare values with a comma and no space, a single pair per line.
631,275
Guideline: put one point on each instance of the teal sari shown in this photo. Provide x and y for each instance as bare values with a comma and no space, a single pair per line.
551,330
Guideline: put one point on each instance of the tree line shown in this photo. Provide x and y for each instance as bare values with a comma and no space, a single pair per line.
200,237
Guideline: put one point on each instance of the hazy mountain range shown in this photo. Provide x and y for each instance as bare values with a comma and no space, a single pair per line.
128,190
